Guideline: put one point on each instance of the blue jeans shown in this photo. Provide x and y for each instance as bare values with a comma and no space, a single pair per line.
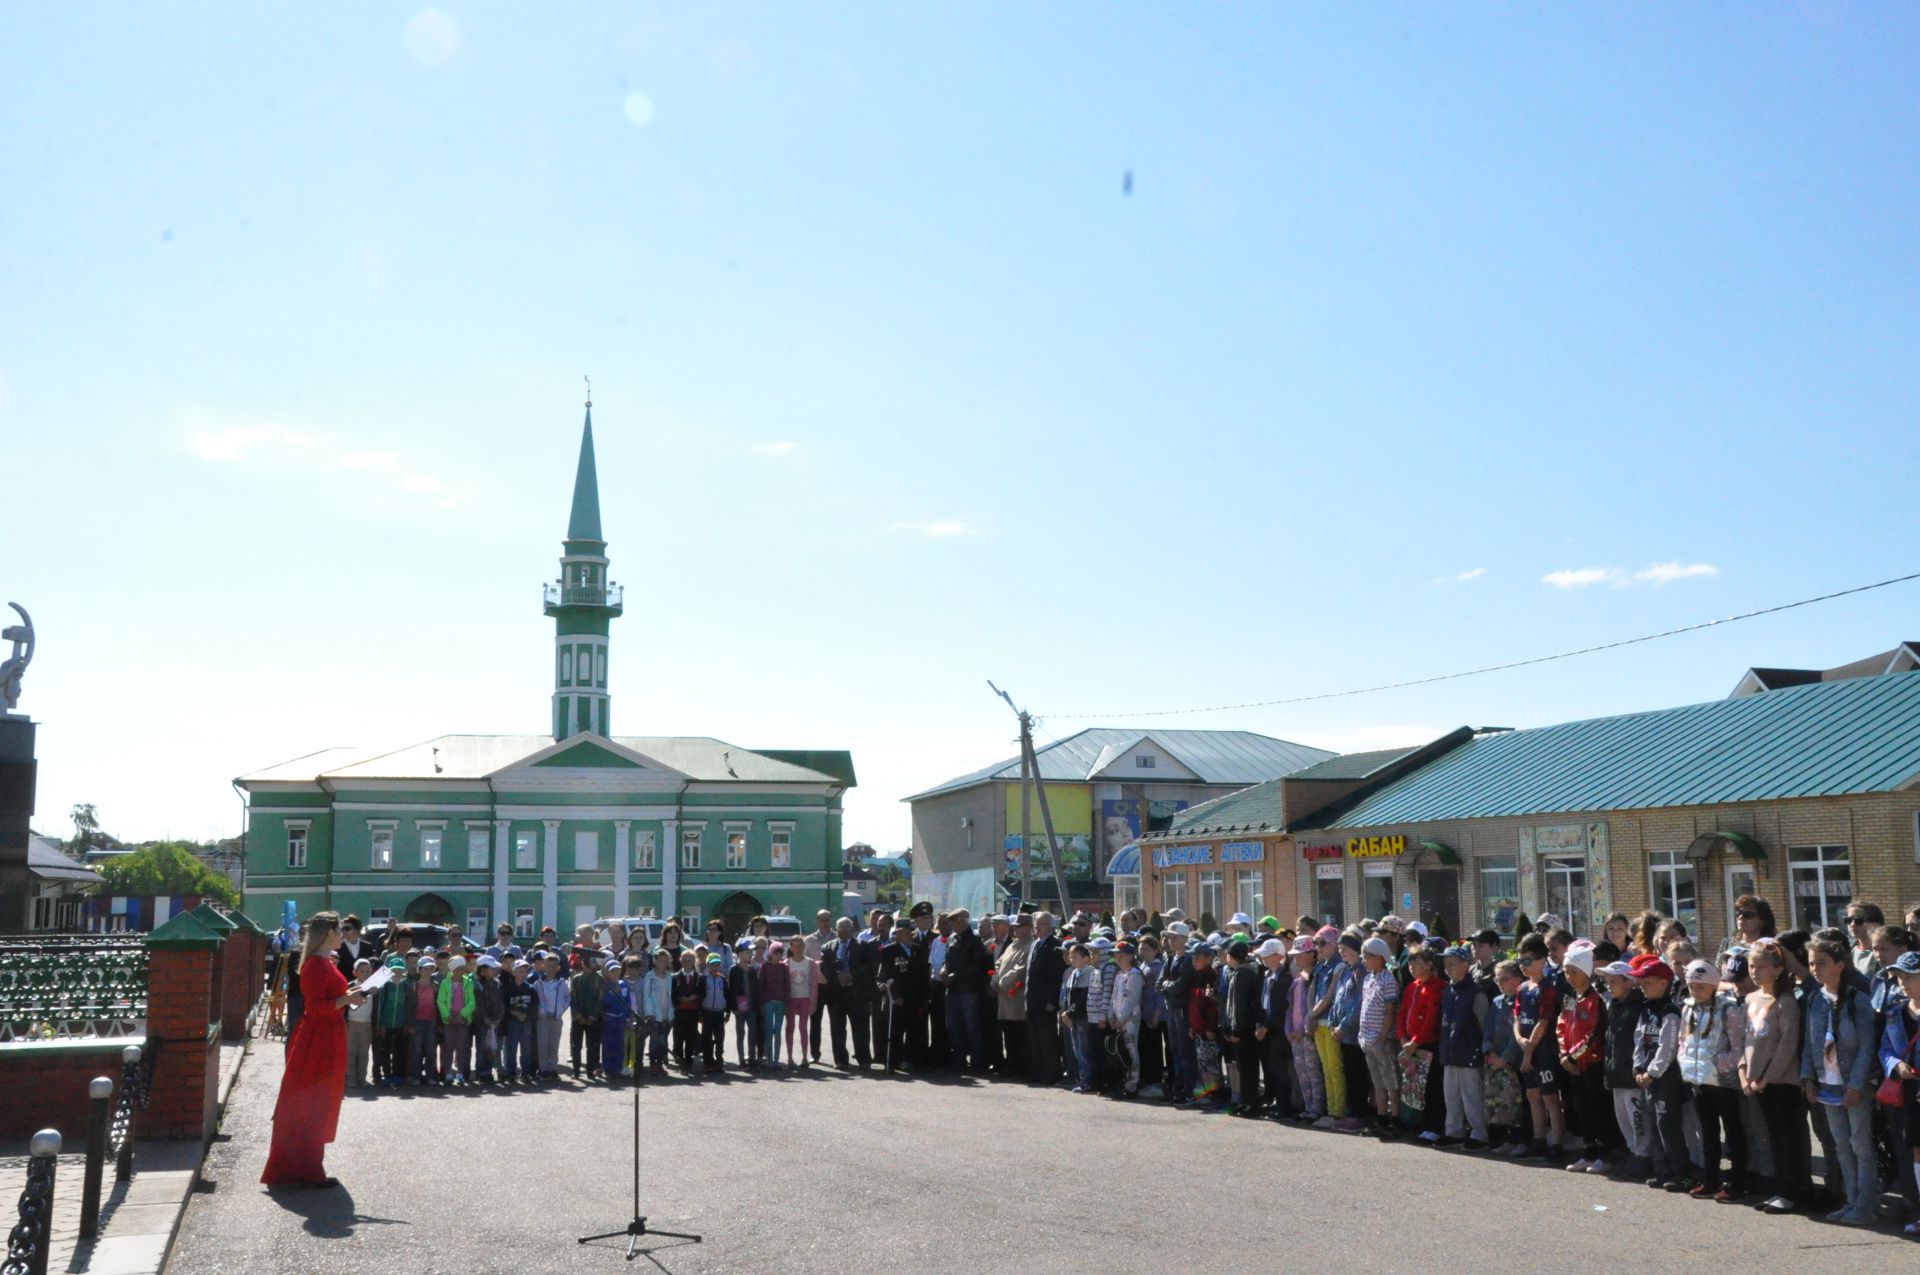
1852,1129
773,1014
963,1029
516,1049
1181,1063
420,1062
613,1045
1085,1063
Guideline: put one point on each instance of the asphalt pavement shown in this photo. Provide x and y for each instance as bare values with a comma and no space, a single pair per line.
817,1171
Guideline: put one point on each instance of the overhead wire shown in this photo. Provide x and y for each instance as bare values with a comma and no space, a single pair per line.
1497,668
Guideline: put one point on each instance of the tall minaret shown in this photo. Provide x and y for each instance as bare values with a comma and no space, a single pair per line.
582,604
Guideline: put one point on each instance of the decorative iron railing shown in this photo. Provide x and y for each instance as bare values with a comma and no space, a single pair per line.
136,1085
30,1243
74,986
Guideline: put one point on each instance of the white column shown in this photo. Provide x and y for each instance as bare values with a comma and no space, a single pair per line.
501,837
550,878
622,862
669,852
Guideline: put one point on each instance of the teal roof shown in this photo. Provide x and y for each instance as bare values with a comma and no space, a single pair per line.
470,757
1822,740
1251,809
1353,765
1214,756
584,522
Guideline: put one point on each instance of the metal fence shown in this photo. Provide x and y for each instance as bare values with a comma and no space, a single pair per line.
30,1242
92,985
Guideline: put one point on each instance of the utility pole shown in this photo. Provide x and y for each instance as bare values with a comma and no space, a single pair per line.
1030,773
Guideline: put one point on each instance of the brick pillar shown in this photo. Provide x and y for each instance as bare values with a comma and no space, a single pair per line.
234,1004
183,1010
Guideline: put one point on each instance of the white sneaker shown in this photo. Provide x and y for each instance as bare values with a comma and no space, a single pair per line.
1578,1166
1596,1166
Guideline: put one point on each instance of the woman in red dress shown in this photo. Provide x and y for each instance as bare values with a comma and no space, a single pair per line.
308,1112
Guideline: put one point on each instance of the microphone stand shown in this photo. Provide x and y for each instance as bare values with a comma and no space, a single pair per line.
638,1228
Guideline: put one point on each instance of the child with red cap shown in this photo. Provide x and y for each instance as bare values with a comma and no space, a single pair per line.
1656,1043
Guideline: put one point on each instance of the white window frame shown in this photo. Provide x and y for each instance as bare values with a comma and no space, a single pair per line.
586,850
1173,892
479,845
644,843
297,832
1821,862
1664,870
523,923
1146,761
1251,901
433,837
1503,865
690,839
780,854
526,850
1213,883
566,666
380,844
691,916
737,844
1740,868
1562,863
600,666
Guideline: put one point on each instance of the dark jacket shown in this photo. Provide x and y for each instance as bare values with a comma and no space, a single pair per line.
743,986
968,965
369,951
863,962
830,988
490,1008
1177,983
1464,1013
903,975
1623,1019
1046,967
1241,1013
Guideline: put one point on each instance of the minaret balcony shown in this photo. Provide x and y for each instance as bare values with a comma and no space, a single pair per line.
558,594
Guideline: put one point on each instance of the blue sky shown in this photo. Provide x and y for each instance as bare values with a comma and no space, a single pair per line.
1410,313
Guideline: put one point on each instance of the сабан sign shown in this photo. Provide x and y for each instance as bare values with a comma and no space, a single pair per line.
1376,847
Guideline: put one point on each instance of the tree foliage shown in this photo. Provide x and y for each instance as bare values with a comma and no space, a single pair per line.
87,832
166,867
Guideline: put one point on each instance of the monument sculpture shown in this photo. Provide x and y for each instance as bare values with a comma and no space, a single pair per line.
15,666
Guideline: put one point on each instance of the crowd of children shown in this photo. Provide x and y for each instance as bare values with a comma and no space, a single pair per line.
1631,1054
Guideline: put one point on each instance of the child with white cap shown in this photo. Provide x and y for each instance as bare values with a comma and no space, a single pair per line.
1581,1034
1300,1032
1712,1040
1629,1101
1126,1000
1379,1005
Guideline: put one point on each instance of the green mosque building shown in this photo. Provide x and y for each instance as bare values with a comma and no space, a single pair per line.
556,829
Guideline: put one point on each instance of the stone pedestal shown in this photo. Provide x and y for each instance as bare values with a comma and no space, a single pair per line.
17,781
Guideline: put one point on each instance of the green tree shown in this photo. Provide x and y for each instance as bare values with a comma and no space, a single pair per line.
166,867
87,832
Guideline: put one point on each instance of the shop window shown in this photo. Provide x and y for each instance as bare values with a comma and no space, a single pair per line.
1212,895
1376,892
1822,878
1330,894
1500,892
1673,887
1173,893
1252,895
1563,885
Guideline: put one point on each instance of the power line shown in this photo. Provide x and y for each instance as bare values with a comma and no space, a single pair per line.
1497,668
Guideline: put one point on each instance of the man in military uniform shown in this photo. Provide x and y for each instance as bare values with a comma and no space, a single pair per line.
920,1004
896,979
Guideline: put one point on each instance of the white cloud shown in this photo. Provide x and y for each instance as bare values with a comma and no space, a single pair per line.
229,444
1659,573
774,449
367,460
939,529
420,482
639,109
1579,578
1473,573
432,38
1667,572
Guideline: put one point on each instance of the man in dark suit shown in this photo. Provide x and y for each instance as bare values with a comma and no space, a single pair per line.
967,969
836,987
352,947
1045,969
901,969
921,1005
863,1008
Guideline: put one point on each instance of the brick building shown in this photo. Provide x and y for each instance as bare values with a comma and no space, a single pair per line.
1808,796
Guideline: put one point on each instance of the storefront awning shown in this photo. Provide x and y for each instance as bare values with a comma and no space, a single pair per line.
1441,851
1740,842
1126,863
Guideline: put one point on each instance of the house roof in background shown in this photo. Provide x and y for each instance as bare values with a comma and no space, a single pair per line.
1823,739
1255,809
1354,765
49,862
1214,756
1904,658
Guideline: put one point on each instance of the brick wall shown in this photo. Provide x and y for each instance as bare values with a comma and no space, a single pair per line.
44,1086
182,1001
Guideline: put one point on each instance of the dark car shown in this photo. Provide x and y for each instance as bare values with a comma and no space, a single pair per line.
427,937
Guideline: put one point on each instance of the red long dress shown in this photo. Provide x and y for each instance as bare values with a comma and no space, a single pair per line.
308,1112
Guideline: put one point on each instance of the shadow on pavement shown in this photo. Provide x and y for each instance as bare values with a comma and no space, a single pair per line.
328,1213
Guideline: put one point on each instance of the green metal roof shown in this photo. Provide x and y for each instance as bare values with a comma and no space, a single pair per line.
479,756
1353,765
584,522
1214,756
1252,809
1821,740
